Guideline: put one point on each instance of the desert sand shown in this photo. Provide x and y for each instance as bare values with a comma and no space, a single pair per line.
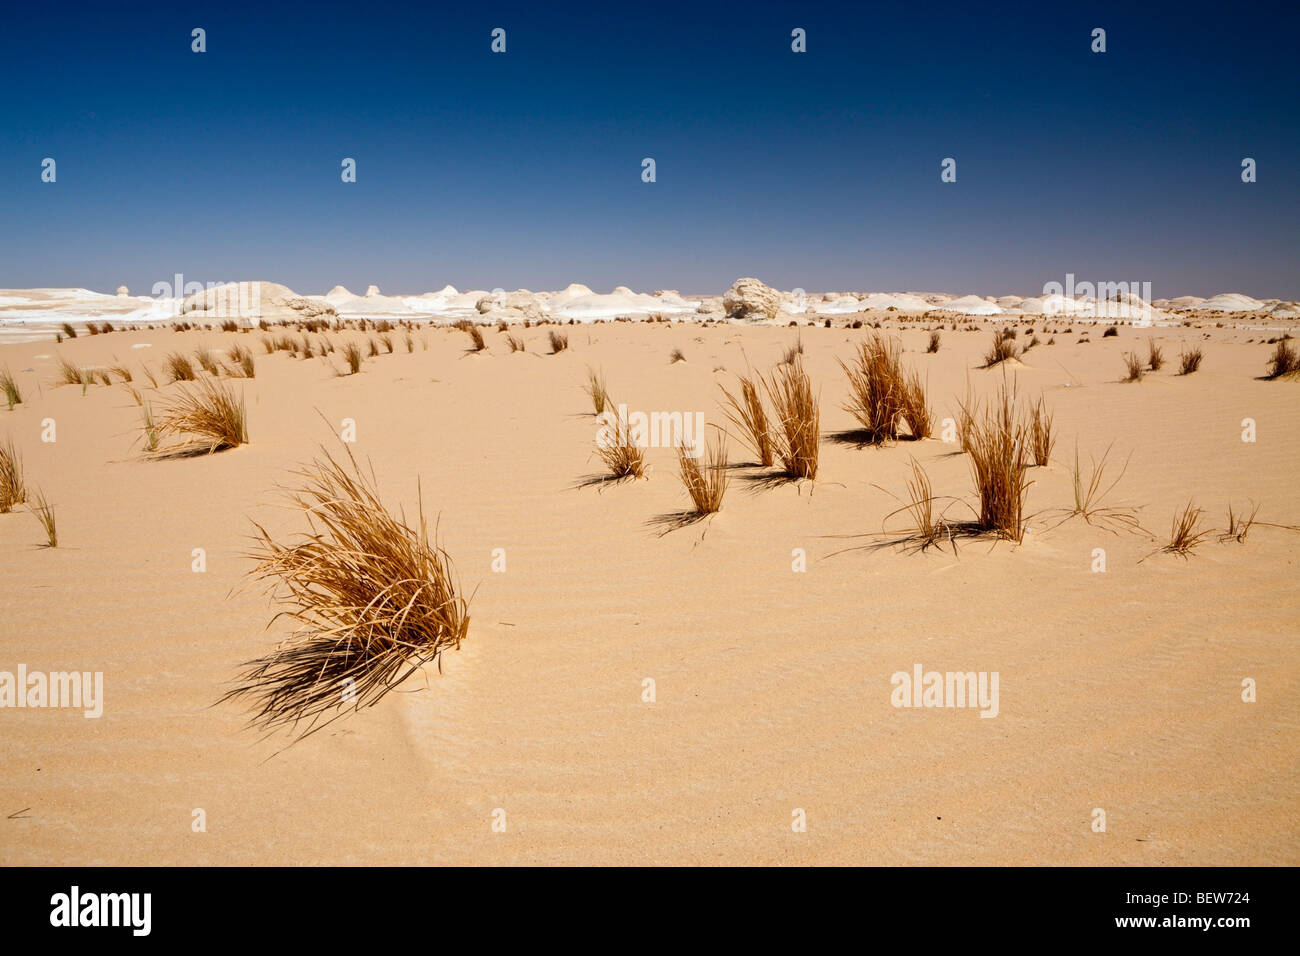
1119,690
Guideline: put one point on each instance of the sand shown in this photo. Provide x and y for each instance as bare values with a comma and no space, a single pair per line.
1118,690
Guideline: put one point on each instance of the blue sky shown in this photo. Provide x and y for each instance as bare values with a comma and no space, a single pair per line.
817,170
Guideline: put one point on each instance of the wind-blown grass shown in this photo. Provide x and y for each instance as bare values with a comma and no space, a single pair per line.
13,395
706,485
999,462
44,513
797,419
750,419
374,600
618,449
209,413
13,489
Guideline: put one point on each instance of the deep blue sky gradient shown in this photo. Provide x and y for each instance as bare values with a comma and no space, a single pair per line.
818,170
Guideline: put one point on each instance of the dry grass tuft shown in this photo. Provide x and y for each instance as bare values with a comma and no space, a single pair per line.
245,364
352,355
595,388
677,355
69,374
1089,496
706,485
797,428
44,513
1185,534
882,395
210,413
516,344
1133,367
374,600
207,362
793,353
617,448
929,528
1283,361
750,419
13,489
476,338
933,346
1004,347
999,462
1239,525
559,342
916,411
178,368
1189,361
13,395
1155,357
1040,434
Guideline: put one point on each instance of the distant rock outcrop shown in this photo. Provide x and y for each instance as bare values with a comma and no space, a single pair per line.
253,301
123,290
748,298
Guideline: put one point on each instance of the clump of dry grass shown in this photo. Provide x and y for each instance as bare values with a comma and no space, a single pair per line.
1283,361
706,485
916,411
797,419
1040,434
352,355
178,368
1239,524
595,389
13,395
13,489
1089,496
210,413
793,352
999,463
244,364
618,449
374,600
207,362
1155,357
121,371
68,330
750,419
386,339
150,427
476,338
1185,534
373,348
1004,347
882,395
409,342
44,513
1189,361
1111,332
1133,367
677,355
933,346
70,374
516,344
559,342
929,528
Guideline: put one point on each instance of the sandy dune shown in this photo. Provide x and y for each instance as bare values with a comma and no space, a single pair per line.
1119,690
